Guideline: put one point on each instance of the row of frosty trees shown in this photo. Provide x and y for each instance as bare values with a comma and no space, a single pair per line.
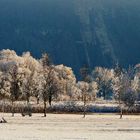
23,77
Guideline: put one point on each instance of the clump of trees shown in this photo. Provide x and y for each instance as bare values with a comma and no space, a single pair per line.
24,77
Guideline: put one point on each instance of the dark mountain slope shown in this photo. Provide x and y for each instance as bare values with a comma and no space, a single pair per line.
74,32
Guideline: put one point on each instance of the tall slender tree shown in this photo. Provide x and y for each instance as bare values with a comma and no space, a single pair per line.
124,89
15,84
49,82
87,79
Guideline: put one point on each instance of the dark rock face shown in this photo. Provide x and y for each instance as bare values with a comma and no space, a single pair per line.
73,32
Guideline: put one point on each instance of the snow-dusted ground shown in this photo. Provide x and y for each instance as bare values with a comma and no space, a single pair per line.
70,127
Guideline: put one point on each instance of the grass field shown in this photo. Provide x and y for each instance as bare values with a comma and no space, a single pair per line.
70,127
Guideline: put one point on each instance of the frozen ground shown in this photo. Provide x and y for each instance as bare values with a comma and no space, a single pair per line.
70,127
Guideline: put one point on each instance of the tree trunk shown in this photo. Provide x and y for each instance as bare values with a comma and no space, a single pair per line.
82,98
37,100
29,107
84,113
50,100
104,95
3,106
28,102
13,109
121,112
45,108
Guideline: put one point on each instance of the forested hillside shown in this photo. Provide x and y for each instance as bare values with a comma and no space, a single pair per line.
73,32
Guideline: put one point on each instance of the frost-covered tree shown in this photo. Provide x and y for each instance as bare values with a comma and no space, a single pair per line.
93,90
4,86
104,78
19,72
136,81
67,81
85,76
27,88
124,90
15,79
88,87
37,87
49,81
84,87
30,87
